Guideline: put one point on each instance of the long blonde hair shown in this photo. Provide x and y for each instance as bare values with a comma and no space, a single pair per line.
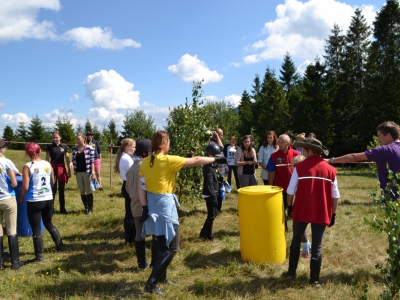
124,144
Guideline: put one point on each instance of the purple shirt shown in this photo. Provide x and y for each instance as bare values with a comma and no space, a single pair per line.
387,155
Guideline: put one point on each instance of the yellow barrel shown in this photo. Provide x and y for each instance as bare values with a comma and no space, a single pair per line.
262,224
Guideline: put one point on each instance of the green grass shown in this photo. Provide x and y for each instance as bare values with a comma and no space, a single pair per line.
99,266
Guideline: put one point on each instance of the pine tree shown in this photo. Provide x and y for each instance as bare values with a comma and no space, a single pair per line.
138,125
289,78
272,107
37,132
65,127
88,126
314,111
8,133
384,68
246,116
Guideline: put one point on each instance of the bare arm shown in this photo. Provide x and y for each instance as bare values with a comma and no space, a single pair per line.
26,174
69,164
271,178
11,174
142,194
48,156
334,204
348,158
198,161
289,200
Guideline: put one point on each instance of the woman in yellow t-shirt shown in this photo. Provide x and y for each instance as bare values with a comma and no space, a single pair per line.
159,212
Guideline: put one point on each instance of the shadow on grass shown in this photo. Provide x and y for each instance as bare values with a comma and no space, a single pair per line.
197,260
90,288
252,286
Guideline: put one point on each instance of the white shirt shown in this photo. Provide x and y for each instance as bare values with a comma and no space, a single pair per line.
294,180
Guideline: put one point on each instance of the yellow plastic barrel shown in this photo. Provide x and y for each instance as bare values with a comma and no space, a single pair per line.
262,224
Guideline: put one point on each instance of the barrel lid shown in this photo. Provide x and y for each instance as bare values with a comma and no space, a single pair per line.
259,190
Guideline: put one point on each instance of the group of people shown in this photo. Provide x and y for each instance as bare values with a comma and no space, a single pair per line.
309,184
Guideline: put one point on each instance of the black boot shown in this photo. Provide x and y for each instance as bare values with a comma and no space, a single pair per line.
14,251
89,199
55,235
1,253
62,198
315,268
38,246
141,254
132,230
293,261
158,270
127,234
85,204
154,252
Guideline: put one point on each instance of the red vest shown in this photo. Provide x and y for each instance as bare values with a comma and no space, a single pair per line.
283,171
313,202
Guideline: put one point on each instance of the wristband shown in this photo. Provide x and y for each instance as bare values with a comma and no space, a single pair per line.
93,172
331,160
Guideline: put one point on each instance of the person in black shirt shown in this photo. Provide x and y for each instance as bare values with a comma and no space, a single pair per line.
210,192
55,154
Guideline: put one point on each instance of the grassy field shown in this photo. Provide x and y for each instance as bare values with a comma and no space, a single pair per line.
99,266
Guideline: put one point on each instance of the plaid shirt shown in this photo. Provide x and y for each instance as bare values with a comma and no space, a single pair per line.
89,158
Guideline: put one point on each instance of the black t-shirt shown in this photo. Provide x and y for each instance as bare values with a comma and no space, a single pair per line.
248,169
57,153
80,162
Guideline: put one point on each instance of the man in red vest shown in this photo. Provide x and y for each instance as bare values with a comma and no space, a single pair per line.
314,182
279,168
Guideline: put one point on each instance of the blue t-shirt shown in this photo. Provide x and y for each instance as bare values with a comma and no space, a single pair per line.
385,156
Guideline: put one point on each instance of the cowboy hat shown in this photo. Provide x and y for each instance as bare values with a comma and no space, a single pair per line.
310,143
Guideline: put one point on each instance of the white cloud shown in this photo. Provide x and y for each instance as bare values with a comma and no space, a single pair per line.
74,97
159,113
13,120
18,19
301,28
101,115
2,105
190,68
97,37
109,90
233,99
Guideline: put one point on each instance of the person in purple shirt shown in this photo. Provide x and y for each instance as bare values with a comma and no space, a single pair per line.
385,156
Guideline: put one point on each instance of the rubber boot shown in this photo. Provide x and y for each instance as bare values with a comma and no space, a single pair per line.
55,235
1,253
141,254
85,204
89,199
127,234
154,251
293,262
315,268
14,251
158,270
38,246
61,197
132,229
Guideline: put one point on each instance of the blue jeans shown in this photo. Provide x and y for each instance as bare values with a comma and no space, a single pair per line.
317,233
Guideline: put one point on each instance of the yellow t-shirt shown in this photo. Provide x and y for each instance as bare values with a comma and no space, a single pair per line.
160,179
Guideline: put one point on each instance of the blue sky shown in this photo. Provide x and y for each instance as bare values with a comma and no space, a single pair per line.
99,59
